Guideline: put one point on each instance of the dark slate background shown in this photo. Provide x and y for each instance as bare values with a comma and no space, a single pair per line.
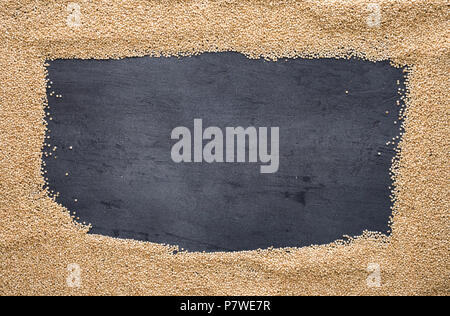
118,116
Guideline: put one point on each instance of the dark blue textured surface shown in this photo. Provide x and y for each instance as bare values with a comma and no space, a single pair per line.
118,116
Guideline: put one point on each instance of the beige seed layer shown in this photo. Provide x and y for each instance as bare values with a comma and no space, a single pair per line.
39,238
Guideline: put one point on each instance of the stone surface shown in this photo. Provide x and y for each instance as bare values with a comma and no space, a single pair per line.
118,116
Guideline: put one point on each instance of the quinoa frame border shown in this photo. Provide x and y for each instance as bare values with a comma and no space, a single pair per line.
40,242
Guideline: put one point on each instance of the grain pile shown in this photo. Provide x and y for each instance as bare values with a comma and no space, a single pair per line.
41,246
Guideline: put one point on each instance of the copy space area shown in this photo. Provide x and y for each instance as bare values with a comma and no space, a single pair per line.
112,133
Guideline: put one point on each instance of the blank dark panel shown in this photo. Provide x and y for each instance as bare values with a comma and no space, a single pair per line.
334,118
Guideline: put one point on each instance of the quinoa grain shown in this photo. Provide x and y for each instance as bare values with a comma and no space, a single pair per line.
39,239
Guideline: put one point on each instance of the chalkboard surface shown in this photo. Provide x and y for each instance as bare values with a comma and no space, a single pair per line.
116,165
